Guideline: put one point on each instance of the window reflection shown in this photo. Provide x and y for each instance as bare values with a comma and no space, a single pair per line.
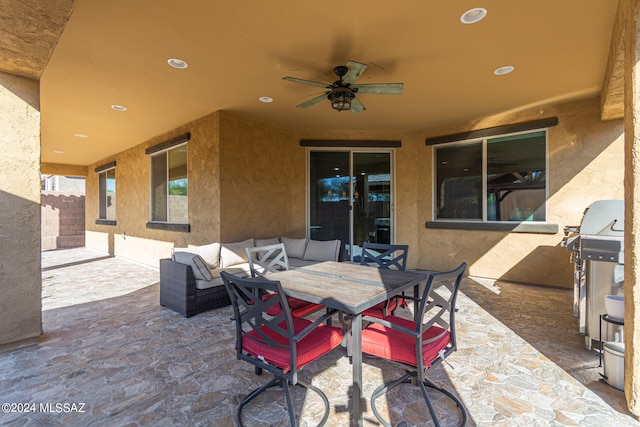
516,175
514,183
169,186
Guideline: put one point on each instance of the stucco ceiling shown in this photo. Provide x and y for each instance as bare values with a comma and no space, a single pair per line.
116,52
29,31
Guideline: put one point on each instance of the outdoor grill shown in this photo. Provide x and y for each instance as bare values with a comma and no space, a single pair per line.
597,252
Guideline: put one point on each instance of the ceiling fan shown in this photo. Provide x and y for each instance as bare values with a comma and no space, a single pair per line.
342,92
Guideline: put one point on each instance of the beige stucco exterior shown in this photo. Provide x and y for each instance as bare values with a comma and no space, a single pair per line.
586,161
630,10
248,179
20,274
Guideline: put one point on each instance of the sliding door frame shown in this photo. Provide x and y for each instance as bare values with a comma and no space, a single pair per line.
351,151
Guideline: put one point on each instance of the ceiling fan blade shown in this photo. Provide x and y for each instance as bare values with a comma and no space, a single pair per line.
380,88
306,82
356,106
355,70
313,101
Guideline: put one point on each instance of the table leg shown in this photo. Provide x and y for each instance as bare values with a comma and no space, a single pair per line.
357,415
416,303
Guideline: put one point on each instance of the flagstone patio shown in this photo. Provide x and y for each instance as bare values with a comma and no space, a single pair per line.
109,348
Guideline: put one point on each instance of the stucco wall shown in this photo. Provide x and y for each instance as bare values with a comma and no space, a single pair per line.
20,273
262,181
248,179
586,163
132,190
250,184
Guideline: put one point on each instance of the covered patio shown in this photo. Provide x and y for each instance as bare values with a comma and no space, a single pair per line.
108,344
104,92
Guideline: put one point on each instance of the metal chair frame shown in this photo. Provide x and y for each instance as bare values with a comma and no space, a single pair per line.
248,310
271,259
443,312
267,259
385,256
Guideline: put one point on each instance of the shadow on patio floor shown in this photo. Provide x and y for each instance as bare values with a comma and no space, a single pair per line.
107,343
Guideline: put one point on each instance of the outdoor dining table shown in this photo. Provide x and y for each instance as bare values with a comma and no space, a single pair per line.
352,289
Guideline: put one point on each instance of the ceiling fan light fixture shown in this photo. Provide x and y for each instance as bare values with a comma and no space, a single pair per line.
341,99
474,15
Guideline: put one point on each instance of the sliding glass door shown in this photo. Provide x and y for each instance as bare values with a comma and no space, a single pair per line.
351,198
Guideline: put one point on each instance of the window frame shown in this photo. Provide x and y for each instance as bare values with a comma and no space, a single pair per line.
104,170
168,224
483,223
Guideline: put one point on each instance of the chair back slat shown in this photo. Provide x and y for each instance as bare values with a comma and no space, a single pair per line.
249,311
385,255
433,339
437,304
267,259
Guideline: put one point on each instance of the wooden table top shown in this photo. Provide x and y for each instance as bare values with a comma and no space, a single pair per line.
345,286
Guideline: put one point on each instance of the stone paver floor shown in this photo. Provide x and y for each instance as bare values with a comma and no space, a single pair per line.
110,350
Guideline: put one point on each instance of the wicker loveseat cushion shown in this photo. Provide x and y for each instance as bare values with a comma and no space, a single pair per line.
294,247
198,266
210,253
322,250
234,253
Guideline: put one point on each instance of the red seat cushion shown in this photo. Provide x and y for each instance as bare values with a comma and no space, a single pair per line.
318,342
378,309
390,344
299,308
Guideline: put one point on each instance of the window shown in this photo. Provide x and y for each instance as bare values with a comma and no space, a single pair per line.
492,179
107,194
169,186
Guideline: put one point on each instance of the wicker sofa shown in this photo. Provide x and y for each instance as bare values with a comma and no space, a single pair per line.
190,281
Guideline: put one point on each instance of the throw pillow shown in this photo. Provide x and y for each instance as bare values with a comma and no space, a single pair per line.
210,253
294,247
322,250
234,253
198,266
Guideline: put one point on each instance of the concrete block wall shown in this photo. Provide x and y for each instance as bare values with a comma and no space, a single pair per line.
62,220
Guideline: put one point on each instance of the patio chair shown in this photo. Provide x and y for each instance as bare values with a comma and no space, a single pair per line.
418,346
385,256
279,344
272,258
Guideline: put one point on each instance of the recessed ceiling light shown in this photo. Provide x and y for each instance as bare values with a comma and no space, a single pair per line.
474,15
58,152
177,63
265,99
119,108
503,70
81,135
